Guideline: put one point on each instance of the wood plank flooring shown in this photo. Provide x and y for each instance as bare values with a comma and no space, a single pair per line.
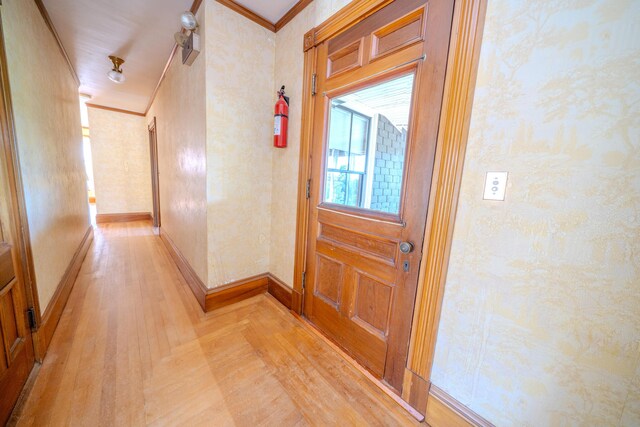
133,348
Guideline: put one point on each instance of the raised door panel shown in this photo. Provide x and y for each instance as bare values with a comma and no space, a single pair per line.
329,280
345,59
381,248
10,333
3,356
372,305
399,34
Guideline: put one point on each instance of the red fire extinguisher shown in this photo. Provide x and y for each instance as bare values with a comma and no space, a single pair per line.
281,120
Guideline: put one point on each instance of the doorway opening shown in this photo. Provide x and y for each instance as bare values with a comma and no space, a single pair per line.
88,160
368,44
155,176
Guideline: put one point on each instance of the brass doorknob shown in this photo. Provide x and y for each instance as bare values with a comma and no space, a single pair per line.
406,247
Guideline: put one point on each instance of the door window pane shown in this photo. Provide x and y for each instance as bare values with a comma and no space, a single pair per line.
354,189
340,130
336,188
367,145
359,141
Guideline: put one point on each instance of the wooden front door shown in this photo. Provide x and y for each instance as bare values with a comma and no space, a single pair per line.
16,348
16,343
377,108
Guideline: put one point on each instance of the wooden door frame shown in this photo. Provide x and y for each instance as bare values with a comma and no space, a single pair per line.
18,205
155,180
462,67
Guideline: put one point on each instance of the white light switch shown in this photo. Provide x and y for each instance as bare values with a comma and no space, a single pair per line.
495,185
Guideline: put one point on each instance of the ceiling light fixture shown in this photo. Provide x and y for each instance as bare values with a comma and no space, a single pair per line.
180,38
115,75
188,21
190,24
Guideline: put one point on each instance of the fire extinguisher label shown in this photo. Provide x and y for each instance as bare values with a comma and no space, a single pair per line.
277,124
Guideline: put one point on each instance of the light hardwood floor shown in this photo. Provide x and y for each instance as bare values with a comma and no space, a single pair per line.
134,348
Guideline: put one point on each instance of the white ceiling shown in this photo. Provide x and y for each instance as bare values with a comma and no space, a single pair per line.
272,10
139,31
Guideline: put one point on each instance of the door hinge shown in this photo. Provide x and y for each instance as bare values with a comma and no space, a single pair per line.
308,189
314,79
304,279
31,316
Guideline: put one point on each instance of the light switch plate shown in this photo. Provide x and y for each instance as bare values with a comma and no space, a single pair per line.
495,185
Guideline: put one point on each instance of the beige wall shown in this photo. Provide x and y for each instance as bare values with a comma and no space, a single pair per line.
179,108
540,324
121,162
323,10
49,134
289,68
240,99
289,71
249,223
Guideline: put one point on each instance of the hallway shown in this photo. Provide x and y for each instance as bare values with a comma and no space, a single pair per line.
134,348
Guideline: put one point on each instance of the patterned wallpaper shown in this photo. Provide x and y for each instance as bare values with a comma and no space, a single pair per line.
251,188
47,119
540,324
239,110
121,166
179,108
289,69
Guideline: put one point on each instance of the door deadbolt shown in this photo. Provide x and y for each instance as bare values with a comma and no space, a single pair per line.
406,247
